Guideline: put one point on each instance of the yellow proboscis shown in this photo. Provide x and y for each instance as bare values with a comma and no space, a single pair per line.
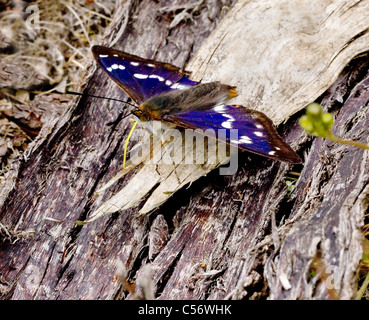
126,144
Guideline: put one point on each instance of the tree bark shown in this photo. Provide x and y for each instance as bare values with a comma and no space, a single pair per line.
243,236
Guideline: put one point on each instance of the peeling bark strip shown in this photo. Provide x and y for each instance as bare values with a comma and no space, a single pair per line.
219,243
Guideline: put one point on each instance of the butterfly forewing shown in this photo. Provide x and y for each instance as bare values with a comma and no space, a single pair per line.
140,78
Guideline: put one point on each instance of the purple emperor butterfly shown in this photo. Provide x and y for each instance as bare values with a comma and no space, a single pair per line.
164,92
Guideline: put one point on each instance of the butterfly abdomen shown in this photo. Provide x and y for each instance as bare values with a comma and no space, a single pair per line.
200,97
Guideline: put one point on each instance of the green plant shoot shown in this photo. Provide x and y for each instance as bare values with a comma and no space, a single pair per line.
319,123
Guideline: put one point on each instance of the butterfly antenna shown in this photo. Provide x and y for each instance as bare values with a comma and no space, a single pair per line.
126,144
95,96
129,113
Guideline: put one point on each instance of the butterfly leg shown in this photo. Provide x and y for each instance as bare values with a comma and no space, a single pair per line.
126,144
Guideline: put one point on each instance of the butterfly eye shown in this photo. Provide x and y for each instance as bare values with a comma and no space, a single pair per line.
141,115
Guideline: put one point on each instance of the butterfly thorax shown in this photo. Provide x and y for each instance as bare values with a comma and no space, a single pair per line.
200,97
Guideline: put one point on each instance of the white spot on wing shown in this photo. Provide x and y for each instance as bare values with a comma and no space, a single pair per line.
168,82
178,86
272,153
133,63
121,67
258,133
150,65
236,141
154,76
219,109
140,76
228,116
109,69
103,55
115,55
227,124
259,126
114,66
245,139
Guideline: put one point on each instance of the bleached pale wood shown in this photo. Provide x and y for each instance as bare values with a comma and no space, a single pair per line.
280,55
168,177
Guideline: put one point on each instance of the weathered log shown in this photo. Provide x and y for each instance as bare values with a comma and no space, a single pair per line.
229,237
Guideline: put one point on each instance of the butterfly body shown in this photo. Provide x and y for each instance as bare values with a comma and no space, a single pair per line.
164,92
200,97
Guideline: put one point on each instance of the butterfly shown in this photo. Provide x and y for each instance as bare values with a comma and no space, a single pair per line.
164,92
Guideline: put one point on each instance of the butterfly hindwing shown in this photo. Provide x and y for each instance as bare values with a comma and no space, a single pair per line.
140,78
255,131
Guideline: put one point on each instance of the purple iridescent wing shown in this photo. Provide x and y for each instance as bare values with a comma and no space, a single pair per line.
255,131
140,78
